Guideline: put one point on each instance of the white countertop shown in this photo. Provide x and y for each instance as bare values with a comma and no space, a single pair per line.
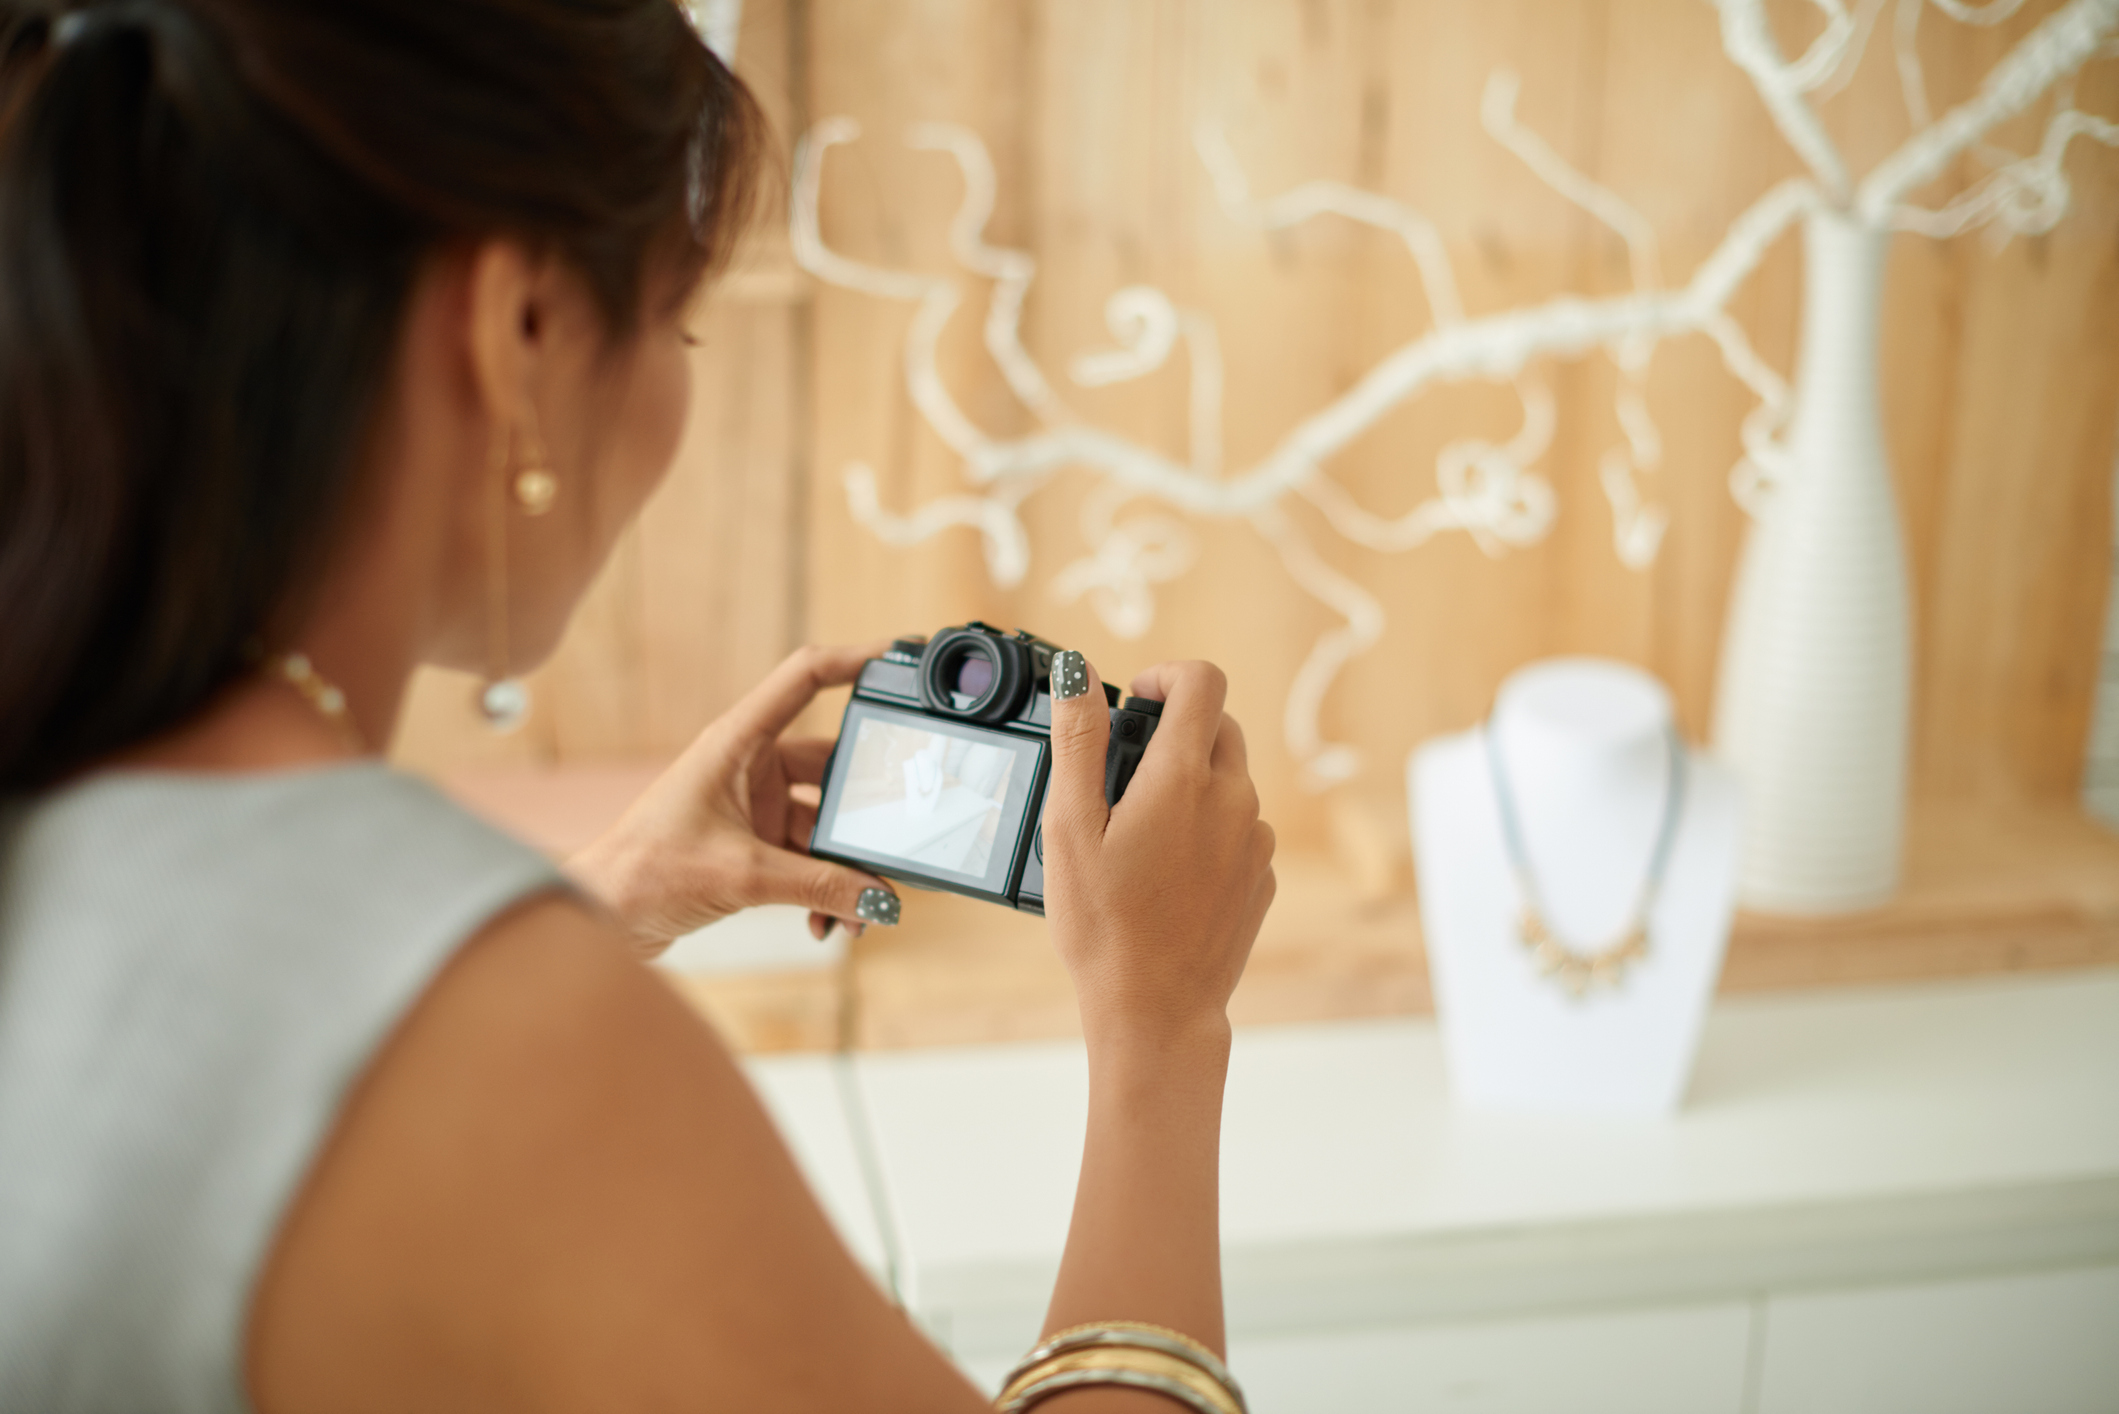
1830,1139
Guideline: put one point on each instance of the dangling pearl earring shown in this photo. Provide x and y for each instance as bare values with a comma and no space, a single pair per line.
535,485
504,701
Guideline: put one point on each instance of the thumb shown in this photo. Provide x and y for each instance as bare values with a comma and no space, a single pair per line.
783,876
1081,732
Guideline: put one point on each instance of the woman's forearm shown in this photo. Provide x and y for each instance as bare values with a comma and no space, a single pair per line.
1154,906
1145,1244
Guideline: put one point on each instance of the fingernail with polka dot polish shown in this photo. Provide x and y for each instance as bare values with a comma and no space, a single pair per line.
1070,674
877,906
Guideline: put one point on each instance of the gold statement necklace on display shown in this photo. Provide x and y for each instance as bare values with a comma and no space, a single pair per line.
1579,971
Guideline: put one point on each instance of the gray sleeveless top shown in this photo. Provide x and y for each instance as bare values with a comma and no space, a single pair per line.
193,971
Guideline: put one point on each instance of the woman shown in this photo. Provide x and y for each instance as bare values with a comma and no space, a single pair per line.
340,336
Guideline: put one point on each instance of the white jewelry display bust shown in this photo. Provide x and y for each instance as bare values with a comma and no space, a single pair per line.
1585,745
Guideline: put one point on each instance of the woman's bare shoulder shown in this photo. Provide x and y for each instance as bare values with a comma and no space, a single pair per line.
553,1188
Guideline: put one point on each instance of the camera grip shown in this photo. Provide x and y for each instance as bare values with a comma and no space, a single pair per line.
1132,724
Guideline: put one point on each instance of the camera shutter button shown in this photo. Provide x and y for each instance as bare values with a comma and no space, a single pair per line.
1129,727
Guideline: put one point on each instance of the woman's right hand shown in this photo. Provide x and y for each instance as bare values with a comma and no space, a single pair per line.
1154,903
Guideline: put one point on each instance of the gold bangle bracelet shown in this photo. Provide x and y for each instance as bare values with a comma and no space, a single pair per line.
1167,1375
1131,1335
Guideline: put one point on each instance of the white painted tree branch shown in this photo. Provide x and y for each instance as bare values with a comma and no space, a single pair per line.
937,297
1495,346
1992,13
1864,21
1145,324
1912,79
1010,270
1748,38
2026,198
993,516
1323,763
1312,199
1484,492
1485,489
1637,524
1497,113
2059,46
1127,560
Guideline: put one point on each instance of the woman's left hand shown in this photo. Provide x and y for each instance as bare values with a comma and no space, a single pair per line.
727,827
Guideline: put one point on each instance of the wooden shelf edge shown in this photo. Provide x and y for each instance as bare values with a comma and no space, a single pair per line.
1988,890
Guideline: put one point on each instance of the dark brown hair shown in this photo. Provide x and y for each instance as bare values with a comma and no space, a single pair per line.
212,214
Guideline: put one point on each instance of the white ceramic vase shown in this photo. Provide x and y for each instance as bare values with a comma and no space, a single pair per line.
1813,704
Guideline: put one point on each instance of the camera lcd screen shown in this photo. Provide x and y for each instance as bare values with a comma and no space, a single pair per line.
930,797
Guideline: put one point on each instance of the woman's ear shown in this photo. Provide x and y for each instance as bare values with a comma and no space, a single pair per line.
506,324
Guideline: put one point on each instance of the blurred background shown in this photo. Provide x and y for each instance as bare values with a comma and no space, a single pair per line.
2000,395
1899,1195
2001,369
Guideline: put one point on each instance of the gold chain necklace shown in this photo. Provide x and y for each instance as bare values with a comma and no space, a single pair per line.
298,672
1577,971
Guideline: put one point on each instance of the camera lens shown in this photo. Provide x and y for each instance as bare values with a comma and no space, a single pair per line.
974,675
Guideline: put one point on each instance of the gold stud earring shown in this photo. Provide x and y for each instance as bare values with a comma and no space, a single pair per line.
535,485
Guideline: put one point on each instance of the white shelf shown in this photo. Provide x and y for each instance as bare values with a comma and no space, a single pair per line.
1833,1139
2033,1344
1689,1361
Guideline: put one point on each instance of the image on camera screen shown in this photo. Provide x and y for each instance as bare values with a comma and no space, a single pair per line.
926,796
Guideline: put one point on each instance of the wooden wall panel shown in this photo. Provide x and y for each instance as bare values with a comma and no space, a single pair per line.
2000,386
2015,610
889,66
704,594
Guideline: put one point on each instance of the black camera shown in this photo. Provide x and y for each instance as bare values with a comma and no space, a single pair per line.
939,774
